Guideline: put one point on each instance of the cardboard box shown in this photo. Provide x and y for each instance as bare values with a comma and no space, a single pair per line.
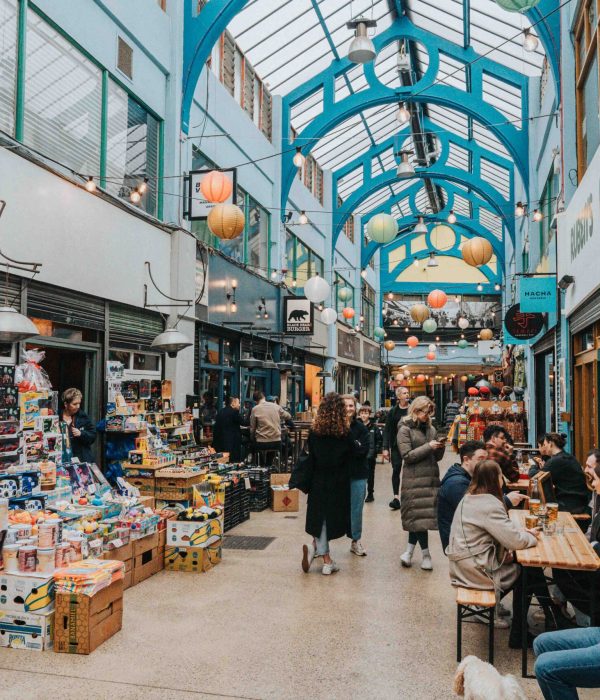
82,622
120,553
283,500
192,534
147,501
176,484
162,538
20,630
19,593
144,544
192,559
128,579
145,565
145,485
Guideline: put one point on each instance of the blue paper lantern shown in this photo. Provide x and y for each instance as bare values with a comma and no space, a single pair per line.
379,333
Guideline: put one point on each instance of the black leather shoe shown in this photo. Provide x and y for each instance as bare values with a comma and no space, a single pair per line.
369,498
395,504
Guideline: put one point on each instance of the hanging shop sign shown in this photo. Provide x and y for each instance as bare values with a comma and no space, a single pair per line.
196,206
578,240
538,294
522,326
298,314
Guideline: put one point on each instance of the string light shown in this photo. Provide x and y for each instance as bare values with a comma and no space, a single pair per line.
520,210
294,283
530,41
451,217
403,114
537,215
415,261
391,296
480,287
299,158
90,185
363,274
143,186
135,196
497,287
303,219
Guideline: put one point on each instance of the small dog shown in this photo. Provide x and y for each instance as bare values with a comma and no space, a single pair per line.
477,680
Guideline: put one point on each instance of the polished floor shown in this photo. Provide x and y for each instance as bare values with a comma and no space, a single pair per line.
257,627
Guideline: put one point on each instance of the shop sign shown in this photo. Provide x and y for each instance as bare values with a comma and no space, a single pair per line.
298,314
538,294
196,208
578,239
348,346
371,354
522,326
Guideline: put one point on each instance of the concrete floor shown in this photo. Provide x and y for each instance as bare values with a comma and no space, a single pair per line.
257,627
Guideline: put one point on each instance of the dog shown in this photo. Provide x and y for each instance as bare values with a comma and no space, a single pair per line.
477,680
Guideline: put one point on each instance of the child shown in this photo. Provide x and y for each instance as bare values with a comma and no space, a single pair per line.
375,442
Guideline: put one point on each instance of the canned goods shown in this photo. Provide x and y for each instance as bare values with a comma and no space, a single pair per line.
46,560
46,535
10,555
27,559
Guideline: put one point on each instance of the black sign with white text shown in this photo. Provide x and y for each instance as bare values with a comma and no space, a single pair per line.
298,316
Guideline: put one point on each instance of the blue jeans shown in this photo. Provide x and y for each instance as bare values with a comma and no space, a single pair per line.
358,491
567,659
321,542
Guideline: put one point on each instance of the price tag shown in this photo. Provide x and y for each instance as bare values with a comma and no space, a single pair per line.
247,483
117,543
96,543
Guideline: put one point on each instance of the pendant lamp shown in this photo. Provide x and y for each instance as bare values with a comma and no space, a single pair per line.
171,341
362,49
405,169
14,326
420,227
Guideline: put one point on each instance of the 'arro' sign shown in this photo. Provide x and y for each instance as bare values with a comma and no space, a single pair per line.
298,316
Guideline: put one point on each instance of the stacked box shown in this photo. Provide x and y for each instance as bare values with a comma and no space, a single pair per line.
176,484
26,611
283,499
192,559
237,504
259,488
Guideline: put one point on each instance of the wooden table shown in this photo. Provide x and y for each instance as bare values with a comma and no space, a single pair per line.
520,485
571,550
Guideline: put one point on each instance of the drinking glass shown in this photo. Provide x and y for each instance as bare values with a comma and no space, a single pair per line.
552,509
534,506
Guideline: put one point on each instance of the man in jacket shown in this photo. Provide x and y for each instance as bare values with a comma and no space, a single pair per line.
496,441
265,423
455,484
390,444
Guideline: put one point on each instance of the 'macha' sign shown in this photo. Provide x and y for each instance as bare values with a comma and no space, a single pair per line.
538,294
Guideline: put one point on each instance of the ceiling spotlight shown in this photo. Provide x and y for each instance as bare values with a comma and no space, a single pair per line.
362,49
451,217
403,115
519,209
298,157
363,274
537,215
135,196
530,41
303,219
90,185
405,169
420,227
432,262
480,287
415,261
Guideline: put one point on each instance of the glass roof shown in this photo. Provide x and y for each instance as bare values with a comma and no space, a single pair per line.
288,42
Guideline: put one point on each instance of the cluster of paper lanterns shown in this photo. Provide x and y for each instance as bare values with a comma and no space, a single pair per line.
477,251
226,221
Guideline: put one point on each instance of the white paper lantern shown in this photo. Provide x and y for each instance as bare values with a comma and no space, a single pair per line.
329,316
316,289
463,323
382,228
432,347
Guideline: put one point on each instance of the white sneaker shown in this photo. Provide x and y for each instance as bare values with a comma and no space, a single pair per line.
427,564
308,554
406,559
358,549
330,568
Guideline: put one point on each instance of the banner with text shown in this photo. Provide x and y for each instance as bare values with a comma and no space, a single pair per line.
538,294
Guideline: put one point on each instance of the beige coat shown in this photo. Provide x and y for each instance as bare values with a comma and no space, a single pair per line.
481,537
265,421
420,476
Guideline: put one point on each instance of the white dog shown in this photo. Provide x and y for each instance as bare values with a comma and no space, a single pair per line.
477,680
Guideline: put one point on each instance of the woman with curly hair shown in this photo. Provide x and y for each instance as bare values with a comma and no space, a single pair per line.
328,510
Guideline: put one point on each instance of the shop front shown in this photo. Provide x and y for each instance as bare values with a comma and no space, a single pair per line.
371,358
358,365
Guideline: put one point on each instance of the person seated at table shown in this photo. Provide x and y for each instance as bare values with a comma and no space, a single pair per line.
568,477
577,586
567,660
482,541
591,462
496,443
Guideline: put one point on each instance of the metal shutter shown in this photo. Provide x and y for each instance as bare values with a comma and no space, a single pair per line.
133,328
248,94
65,306
228,63
587,314
546,343
266,124
10,290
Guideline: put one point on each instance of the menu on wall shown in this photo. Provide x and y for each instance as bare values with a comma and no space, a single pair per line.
371,354
348,346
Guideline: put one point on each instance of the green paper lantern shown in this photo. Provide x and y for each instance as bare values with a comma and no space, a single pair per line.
470,377
345,294
462,343
517,5
379,333
429,326
382,228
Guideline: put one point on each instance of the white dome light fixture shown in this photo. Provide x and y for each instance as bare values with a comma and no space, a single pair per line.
530,41
432,262
405,169
362,49
420,227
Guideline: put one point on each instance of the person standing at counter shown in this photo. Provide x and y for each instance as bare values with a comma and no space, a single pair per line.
227,433
81,430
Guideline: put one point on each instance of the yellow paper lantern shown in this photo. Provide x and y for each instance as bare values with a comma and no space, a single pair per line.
477,251
419,313
216,187
226,221
486,334
389,345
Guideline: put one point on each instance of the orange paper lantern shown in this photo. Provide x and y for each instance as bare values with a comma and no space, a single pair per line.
477,251
419,313
412,341
216,187
420,378
226,221
464,378
348,313
389,345
486,334
473,391
437,299
430,356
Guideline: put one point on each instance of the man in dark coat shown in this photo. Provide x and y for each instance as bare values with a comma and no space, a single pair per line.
455,484
390,444
227,434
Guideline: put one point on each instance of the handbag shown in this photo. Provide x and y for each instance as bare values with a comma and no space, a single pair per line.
302,473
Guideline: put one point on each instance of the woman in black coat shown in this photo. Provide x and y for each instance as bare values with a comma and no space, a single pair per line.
328,510
227,433
82,432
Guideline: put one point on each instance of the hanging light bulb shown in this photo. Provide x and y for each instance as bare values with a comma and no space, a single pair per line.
362,49
416,261
90,185
395,322
537,215
406,329
274,275
480,287
135,196
233,307
405,169
451,217
530,41
294,283
432,262
403,115
497,287
391,296
363,274
420,227
299,159
519,209
142,187
303,219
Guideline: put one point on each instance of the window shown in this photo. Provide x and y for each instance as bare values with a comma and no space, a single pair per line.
368,308
586,75
257,226
349,225
124,58
63,99
547,208
302,262
8,63
132,148
312,176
